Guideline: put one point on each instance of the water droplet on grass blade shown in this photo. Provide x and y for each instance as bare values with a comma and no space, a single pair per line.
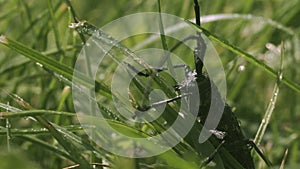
241,68
3,39
39,64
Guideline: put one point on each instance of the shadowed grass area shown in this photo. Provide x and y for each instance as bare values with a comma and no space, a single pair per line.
39,50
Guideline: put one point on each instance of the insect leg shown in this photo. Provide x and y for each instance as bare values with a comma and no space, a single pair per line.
200,49
163,68
252,144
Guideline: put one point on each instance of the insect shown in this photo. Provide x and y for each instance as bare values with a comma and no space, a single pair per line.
228,131
228,123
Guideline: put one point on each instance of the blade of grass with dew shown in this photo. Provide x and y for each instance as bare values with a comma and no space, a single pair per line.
66,144
9,108
68,134
22,132
86,144
54,66
91,30
44,131
26,113
170,157
105,39
250,58
266,120
8,132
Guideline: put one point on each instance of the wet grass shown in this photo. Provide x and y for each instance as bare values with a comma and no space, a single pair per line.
39,51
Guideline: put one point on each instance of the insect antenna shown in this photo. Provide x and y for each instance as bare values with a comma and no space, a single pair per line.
200,49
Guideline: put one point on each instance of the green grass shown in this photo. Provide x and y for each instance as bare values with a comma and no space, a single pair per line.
39,127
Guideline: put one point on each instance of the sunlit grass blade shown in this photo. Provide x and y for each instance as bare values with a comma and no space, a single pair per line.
250,58
22,132
221,17
14,114
266,120
8,132
284,159
234,16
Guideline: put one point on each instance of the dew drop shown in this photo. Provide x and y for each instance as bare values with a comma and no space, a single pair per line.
39,64
113,135
241,68
3,39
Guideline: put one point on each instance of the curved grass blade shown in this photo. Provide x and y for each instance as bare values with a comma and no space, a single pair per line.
65,143
53,65
250,58
220,17
273,23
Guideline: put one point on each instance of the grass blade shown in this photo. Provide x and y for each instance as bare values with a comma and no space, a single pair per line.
22,132
66,144
13,114
45,145
247,56
265,121
52,65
